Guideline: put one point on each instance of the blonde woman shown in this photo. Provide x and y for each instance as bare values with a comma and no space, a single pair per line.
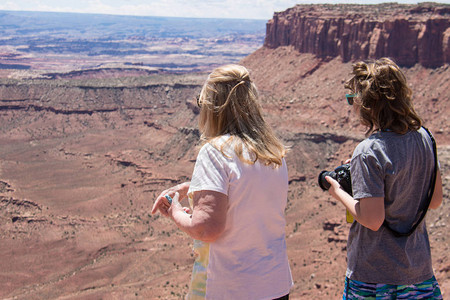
239,192
392,172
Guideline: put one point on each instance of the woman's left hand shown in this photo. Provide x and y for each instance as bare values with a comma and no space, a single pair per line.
162,204
175,207
334,188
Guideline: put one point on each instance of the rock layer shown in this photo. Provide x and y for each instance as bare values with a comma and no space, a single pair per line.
409,34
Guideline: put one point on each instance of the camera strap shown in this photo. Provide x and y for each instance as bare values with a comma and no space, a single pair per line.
430,195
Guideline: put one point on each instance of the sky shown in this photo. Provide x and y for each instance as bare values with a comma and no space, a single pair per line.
240,9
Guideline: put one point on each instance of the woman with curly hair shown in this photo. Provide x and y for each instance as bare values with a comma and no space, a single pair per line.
393,172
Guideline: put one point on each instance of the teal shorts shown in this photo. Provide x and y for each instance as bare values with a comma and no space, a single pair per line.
429,289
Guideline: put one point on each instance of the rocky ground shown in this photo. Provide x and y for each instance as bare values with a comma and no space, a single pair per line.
81,162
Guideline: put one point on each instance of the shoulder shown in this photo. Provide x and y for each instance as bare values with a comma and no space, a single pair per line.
426,134
370,146
216,148
375,150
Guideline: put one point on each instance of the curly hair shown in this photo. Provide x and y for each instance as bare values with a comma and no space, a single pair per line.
229,105
383,97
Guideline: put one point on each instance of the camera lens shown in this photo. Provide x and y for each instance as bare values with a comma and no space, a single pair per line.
323,183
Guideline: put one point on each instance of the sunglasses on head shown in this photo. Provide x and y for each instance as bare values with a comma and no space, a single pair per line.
349,98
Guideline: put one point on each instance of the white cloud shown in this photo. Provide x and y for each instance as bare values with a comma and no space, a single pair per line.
10,5
257,9
262,9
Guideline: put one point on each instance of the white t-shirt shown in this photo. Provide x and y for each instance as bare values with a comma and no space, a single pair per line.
249,260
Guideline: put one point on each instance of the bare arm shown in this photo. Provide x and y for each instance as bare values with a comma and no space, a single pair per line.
369,212
207,221
436,200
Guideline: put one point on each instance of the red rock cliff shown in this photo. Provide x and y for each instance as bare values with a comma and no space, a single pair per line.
409,34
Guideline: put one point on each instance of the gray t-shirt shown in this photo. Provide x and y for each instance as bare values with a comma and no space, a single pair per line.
398,168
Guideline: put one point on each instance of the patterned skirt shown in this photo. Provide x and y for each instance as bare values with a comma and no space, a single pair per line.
428,289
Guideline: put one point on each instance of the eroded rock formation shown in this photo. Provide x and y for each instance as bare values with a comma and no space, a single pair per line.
409,34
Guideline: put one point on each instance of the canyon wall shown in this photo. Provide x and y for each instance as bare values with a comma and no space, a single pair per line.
409,34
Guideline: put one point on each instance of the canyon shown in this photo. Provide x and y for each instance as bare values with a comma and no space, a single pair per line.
42,42
410,34
84,152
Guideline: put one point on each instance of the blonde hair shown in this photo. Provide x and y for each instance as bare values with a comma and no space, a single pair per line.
383,96
229,105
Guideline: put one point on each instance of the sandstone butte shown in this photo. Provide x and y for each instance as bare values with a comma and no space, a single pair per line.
408,33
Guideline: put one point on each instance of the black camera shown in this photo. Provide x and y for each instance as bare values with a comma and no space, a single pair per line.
341,174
